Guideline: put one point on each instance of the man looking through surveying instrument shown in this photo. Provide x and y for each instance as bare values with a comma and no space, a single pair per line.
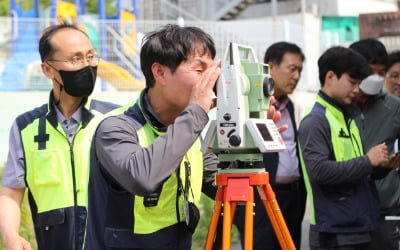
148,169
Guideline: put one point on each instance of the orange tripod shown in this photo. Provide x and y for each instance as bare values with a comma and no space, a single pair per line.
236,185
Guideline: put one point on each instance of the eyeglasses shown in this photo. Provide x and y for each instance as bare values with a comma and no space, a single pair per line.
78,61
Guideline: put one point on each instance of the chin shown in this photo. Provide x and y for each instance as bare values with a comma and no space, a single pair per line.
347,101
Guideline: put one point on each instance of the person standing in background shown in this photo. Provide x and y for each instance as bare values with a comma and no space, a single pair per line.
49,147
344,201
379,121
286,64
392,77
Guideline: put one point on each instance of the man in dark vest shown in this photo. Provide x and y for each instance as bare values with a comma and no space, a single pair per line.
49,147
147,169
338,174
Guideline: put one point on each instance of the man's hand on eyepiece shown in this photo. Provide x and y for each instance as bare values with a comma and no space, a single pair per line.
202,93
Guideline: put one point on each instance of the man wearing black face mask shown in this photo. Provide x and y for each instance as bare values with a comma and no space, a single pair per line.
49,147
78,83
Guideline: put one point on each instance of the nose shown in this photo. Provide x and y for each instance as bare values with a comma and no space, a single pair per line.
85,62
356,88
296,75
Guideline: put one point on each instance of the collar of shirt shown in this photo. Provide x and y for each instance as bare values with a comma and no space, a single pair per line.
349,111
281,105
151,117
76,116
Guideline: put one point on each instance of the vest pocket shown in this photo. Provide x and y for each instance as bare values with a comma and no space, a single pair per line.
48,167
50,218
120,210
54,231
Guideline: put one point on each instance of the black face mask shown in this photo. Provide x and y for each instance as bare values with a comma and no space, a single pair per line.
79,83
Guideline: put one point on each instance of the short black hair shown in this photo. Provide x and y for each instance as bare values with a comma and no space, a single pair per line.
394,58
170,45
372,49
342,60
276,51
46,49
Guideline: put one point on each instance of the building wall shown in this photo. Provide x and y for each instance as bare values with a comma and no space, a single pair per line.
304,30
356,7
320,8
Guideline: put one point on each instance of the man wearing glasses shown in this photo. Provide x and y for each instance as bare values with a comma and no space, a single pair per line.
49,147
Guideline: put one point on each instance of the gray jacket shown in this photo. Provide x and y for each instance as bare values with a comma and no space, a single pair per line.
379,121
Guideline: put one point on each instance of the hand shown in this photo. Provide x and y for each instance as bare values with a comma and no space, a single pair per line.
378,155
394,161
275,115
202,93
17,243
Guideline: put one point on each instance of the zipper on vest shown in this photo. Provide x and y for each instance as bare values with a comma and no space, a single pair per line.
358,146
178,194
353,138
75,209
76,217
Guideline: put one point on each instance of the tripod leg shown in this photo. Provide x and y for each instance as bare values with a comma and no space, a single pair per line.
214,220
274,222
274,212
248,225
227,226
233,210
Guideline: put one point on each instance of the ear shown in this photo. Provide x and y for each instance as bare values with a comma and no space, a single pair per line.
47,71
330,78
159,73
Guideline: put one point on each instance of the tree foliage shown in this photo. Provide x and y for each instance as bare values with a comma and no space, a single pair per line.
91,6
111,9
4,7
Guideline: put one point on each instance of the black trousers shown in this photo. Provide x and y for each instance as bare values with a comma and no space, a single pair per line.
292,202
365,246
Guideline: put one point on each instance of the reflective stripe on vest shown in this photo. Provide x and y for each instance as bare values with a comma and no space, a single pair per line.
151,219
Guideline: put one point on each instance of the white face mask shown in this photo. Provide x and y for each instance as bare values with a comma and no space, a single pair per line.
372,85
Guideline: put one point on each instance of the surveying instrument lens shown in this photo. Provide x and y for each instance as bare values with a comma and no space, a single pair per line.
268,87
